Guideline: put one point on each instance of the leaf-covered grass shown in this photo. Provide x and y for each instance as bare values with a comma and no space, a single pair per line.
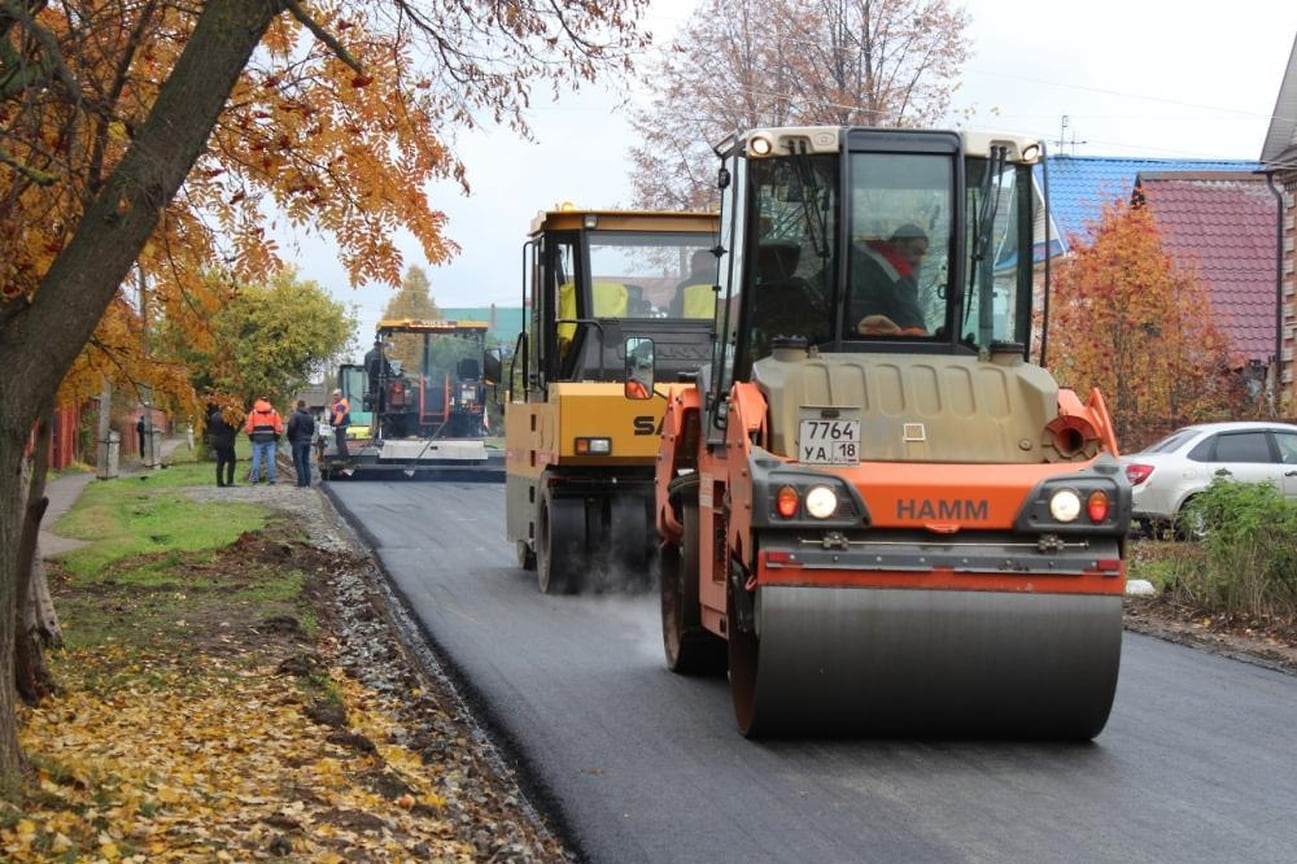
180,732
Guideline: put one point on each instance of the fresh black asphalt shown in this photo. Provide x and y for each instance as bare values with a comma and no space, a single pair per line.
1198,762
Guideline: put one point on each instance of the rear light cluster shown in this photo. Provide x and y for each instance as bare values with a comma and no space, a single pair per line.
593,446
1137,473
820,502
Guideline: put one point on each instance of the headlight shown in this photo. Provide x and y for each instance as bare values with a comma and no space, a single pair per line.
821,502
1065,505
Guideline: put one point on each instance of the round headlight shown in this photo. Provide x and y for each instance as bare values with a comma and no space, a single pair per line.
821,502
1065,505
760,145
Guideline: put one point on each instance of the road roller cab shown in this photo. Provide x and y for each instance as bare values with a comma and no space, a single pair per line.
580,454
877,513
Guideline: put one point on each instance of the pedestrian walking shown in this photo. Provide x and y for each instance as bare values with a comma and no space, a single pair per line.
221,435
264,426
340,419
139,435
301,429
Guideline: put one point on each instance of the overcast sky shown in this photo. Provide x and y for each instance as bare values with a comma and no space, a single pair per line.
1156,78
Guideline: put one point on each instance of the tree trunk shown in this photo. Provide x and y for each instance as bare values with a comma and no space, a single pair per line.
39,342
31,675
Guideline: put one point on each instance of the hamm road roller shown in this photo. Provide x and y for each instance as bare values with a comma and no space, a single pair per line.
579,455
876,512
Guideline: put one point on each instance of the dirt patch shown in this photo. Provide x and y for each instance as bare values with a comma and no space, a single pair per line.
1266,641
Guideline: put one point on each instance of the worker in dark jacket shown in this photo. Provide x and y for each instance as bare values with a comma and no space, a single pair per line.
378,371
301,429
264,426
221,435
340,419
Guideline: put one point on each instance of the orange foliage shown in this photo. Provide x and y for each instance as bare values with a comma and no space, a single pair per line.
340,152
1130,320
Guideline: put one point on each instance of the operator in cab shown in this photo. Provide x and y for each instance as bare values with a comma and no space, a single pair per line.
884,288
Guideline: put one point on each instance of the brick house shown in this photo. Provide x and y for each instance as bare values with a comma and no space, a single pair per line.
1279,158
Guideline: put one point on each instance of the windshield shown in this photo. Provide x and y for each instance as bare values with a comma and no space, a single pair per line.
794,201
900,229
643,275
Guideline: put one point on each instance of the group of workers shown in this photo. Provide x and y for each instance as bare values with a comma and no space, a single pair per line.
264,427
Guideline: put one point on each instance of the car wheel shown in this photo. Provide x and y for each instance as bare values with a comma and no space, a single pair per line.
1190,526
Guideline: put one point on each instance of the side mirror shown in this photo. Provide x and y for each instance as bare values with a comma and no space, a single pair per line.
491,366
639,368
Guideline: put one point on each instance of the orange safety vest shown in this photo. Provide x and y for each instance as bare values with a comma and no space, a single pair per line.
341,413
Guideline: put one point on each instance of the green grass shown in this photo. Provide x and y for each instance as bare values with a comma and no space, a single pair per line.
124,518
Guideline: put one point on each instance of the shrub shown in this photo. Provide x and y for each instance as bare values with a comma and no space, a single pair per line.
1250,538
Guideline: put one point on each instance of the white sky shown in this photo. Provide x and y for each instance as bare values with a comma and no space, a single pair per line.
1170,78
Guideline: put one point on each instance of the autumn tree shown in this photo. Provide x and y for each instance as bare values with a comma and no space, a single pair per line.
1126,318
337,115
413,300
281,335
788,62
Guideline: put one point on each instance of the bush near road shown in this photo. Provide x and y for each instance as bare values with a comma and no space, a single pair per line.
1239,581
232,690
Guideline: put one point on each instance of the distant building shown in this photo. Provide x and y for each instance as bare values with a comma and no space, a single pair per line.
1221,226
1081,186
1279,156
504,322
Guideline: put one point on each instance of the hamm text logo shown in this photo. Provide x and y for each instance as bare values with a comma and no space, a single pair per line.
941,508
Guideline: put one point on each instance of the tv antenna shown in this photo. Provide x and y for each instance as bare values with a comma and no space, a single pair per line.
1064,124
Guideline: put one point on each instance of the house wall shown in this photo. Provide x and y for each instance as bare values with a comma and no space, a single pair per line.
1288,183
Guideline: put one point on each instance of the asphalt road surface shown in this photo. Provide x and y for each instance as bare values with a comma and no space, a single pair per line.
1198,762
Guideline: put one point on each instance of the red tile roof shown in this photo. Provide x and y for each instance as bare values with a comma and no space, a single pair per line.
1223,227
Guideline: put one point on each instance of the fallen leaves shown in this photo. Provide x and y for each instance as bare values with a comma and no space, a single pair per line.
220,767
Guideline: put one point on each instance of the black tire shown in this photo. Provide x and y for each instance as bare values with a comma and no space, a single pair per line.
630,540
560,545
690,648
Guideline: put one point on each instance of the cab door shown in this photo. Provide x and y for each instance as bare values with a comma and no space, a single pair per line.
1286,446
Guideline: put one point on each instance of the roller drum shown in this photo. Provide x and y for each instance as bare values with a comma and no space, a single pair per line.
926,663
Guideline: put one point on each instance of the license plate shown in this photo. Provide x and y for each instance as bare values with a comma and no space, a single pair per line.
829,442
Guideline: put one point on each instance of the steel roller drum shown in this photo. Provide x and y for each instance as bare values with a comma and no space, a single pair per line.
873,661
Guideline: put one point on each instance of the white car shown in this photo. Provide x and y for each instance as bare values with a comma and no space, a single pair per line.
1167,475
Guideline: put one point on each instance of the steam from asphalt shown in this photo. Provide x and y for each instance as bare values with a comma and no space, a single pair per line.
631,598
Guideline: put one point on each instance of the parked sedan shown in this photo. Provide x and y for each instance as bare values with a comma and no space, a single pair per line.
1167,475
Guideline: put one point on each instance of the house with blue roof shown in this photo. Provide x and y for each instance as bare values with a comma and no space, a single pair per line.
1081,186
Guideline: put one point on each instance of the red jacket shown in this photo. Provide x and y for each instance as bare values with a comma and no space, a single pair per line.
264,422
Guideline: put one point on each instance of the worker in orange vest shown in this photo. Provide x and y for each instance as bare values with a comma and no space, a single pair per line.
340,419
264,426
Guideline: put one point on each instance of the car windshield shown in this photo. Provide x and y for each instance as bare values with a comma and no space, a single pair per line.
1172,441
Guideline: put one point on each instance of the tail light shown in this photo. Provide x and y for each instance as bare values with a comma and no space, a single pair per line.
787,501
1137,472
1096,506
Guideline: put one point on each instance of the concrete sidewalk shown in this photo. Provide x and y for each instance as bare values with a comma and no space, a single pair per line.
64,491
